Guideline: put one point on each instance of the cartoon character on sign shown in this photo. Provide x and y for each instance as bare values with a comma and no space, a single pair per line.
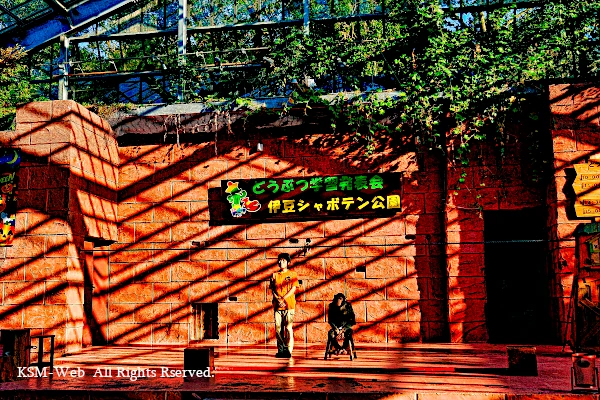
8,188
239,200
8,228
3,202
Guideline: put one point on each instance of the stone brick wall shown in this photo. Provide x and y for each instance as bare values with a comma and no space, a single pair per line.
163,207
79,192
67,183
575,132
490,183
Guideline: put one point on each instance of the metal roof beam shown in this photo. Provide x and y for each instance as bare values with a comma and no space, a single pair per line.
41,32
233,27
60,9
11,14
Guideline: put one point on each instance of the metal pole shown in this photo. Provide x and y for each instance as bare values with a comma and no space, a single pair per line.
63,64
182,43
306,17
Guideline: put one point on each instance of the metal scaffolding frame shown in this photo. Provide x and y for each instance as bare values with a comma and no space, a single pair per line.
75,31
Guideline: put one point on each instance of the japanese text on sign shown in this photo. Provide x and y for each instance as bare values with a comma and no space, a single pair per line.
314,197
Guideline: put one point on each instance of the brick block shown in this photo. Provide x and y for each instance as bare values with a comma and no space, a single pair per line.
227,232
399,246
63,293
151,272
428,266
243,250
47,316
152,232
131,252
349,227
320,247
338,268
434,203
385,226
199,211
208,292
37,111
226,270
310,311
414,203
60,246
403,332
20,293
189,271
260,312
322,289
387,310
309,229
431,310
233,312
190,231
170,334
466,287
406,288
249,291
152,313
386,267
134,173
14,269
124,273
172,211
160,192
465,248
520,197
261,269
370,333
206,171
422,183
121,312
364,247
218,251
316,332
12,316
132,293
189,191
465,332
564,140
466,311
265,231
466,264
309,268
246,333
170,292
365,289
253,168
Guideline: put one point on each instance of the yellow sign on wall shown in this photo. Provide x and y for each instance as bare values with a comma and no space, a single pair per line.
587,190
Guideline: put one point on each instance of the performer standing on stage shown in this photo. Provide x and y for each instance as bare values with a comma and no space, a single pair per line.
284,284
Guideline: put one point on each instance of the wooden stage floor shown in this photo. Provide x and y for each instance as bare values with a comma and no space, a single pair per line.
409,371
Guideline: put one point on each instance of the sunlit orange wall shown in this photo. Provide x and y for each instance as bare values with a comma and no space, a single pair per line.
575,128
67,192
76,184
163,207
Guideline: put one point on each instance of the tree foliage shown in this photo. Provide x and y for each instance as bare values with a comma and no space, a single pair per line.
465,73
15,84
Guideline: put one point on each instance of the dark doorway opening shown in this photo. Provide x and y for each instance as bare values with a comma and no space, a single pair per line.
206,320
518,296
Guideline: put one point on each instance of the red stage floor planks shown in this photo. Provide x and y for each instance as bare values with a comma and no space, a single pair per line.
417,371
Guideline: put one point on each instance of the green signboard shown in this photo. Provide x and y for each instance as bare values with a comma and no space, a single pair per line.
369,195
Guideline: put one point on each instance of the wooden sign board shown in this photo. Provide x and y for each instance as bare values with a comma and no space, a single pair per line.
587,211
587,189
